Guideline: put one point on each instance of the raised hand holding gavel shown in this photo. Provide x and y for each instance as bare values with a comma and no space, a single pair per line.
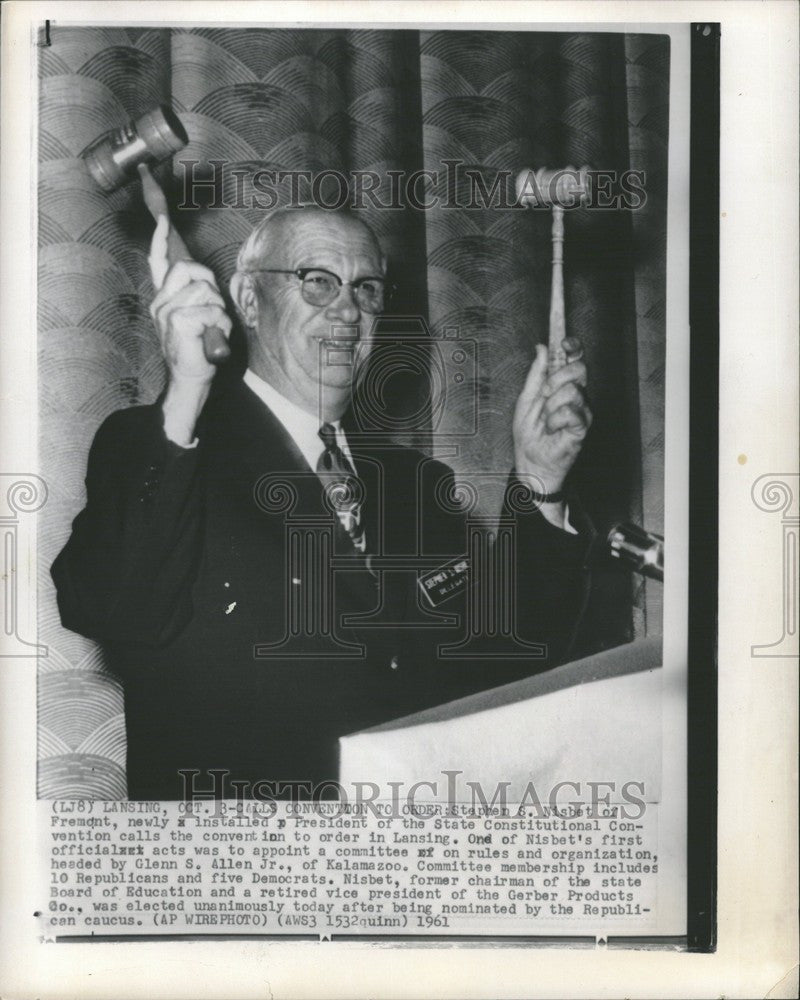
552,416
551,419
188,310
168,249
190,317
113,160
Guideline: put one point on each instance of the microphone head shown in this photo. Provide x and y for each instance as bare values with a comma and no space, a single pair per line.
640,549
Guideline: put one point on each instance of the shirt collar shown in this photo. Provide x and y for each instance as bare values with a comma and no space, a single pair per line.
302,427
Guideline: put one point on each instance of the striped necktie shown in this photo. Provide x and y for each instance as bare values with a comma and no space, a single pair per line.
345,490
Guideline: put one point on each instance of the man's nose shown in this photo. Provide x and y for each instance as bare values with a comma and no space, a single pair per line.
344,307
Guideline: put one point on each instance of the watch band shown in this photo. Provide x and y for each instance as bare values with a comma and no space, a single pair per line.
558,497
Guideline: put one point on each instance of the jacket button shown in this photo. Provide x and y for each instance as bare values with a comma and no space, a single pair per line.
395,664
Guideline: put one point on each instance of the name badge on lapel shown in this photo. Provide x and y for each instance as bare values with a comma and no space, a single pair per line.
440,584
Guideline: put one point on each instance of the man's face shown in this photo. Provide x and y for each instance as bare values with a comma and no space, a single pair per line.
312,346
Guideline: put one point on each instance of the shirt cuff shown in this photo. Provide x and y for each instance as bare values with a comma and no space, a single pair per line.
183,447
171,439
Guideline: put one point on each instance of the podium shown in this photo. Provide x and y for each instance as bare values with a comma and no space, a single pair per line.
596,719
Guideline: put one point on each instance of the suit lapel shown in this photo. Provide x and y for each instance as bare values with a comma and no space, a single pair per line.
258,441
262,449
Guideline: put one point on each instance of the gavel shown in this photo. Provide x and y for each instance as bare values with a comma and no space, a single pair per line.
555,189
116,158
632,545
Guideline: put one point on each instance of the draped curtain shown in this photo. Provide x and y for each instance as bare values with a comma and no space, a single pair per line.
350,100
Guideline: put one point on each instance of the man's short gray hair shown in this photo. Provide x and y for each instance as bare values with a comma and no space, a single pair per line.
254,248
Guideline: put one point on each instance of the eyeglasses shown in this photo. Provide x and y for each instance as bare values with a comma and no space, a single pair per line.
320,287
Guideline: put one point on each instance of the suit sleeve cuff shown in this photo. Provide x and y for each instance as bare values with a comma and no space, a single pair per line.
570,543
169,468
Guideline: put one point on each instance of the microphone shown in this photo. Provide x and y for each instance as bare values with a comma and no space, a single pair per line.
642,550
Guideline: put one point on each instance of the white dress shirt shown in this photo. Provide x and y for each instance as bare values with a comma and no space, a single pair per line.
301,426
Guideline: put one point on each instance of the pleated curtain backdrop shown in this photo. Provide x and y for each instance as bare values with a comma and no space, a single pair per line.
347,100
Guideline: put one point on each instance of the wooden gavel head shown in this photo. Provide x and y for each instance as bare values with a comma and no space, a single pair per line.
112,160
564,187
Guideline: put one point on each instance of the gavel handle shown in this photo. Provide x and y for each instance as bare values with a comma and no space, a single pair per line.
215,344
556,358
555,188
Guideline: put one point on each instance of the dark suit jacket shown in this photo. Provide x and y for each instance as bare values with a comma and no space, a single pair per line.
199,570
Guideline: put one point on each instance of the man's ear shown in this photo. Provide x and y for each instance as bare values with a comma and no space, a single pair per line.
244,298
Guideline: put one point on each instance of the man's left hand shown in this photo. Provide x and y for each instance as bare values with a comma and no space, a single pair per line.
551,418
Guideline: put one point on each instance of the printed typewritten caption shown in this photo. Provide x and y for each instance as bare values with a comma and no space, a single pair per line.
326,869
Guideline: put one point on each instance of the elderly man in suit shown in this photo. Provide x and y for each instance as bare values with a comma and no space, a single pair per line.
185,563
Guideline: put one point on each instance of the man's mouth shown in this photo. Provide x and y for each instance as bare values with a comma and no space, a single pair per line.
339,349
338,342
342,336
